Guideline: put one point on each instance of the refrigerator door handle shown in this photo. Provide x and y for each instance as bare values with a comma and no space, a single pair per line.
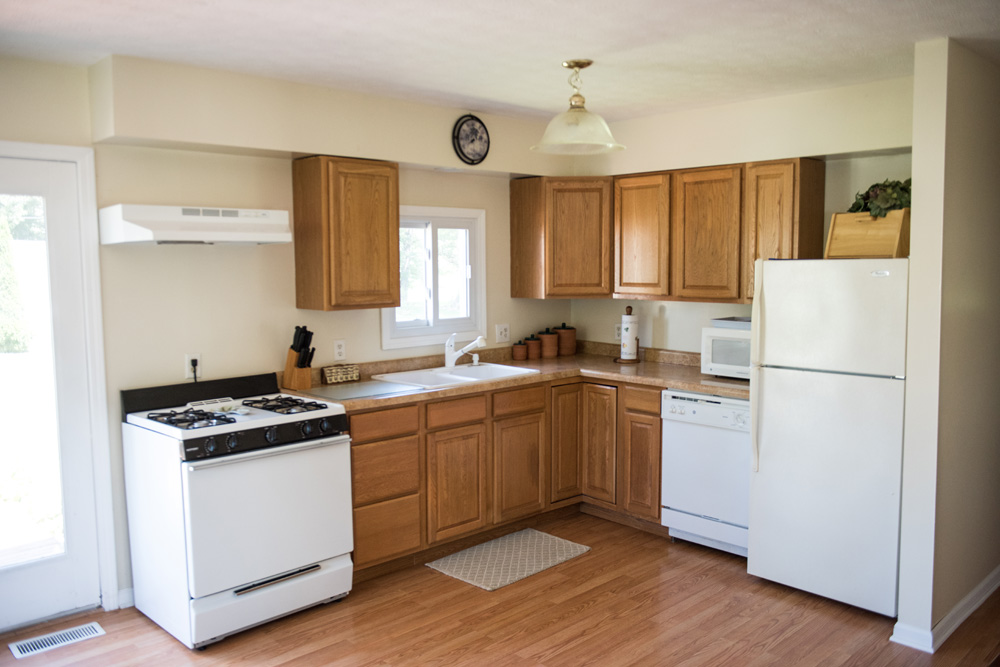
755,414
756,323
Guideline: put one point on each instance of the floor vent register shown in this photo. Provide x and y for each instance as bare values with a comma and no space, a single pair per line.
36,645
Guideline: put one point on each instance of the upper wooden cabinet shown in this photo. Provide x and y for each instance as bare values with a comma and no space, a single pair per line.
705,233
560,231
346,231
782,212
642,236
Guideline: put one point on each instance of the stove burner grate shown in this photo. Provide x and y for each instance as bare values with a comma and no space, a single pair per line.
285,405
190,418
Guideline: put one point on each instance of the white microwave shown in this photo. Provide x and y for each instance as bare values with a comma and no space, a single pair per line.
725,352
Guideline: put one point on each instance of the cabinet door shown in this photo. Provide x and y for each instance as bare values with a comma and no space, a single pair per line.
519,466
597,439
346,227
578,237
456,482
639,445
642,235
386,530
782,212
705,233
364,240
567,419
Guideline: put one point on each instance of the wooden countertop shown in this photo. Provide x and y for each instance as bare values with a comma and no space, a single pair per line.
592,367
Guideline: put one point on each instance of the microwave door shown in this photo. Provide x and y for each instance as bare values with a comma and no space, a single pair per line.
726,352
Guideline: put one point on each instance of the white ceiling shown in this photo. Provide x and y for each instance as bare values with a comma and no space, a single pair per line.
489,56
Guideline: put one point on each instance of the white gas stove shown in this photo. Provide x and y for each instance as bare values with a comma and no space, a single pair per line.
239,504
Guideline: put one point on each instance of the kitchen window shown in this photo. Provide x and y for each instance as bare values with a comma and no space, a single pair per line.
442,276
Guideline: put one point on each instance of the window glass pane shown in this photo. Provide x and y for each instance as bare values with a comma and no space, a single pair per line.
453,273
31,506
414,285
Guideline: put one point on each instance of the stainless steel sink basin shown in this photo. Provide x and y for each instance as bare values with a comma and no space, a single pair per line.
437,378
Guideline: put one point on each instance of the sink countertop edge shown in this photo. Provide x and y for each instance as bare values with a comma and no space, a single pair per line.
591,367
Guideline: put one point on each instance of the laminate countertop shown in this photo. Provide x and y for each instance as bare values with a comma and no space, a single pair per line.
589,366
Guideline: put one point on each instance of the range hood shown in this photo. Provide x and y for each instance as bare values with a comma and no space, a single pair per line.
140,223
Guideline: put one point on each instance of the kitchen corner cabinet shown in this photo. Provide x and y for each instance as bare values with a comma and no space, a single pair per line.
642,236
561,239
520,451
598,441
639,439
387,473
705,233
782,212
567,425
346,230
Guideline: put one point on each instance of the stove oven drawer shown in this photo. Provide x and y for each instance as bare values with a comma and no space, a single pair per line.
251,516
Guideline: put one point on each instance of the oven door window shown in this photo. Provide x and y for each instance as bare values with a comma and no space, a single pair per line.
252,516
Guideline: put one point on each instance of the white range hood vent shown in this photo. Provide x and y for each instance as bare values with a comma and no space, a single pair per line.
140,223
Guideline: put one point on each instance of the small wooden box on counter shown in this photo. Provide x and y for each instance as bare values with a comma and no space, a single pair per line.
854,235
294,377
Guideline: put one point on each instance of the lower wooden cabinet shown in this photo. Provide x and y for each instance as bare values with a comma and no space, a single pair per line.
519,466
597,441
387,530
567,422
639,448
457,479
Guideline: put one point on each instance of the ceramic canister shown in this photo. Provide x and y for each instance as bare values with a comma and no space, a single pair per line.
519,351
534,347
567,340
550,344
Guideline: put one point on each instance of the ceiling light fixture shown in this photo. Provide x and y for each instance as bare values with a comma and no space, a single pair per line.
577,131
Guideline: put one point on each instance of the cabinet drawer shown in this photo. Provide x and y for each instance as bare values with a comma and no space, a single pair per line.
640,399
383,470
458,411
384,424
386,530
517,401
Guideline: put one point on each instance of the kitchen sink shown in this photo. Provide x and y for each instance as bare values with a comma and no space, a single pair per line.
437,378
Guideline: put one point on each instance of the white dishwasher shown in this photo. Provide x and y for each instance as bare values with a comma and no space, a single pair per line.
706,469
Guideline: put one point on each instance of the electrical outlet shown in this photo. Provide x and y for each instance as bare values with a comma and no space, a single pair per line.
618,332
339,350
503,333
188,370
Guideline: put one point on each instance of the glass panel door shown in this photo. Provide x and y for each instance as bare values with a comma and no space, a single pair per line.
48,544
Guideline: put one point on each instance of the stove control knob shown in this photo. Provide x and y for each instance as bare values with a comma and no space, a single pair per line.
306,429
325,426
210,446
271,434
231,441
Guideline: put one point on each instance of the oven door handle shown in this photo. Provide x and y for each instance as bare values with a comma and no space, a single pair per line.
265,453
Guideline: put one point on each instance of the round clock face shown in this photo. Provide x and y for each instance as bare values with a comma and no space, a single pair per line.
470,139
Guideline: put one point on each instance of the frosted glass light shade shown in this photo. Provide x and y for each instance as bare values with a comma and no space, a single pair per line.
577,132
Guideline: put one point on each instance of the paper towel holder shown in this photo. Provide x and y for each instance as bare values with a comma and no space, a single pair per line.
620,360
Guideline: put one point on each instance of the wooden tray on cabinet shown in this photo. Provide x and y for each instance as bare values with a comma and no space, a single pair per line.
855,235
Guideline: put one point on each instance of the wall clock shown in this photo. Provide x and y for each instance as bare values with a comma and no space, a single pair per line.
470,139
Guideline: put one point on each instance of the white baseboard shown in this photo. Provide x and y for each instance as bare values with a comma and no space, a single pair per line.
929,641
126,598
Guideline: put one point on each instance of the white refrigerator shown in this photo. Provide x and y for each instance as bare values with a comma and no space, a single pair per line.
828,358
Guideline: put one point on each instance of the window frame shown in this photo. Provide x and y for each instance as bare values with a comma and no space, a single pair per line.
473,220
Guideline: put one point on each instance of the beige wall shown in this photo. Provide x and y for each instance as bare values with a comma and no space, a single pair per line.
967,537
44,103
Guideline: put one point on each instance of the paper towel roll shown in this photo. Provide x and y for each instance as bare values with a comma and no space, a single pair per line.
630,335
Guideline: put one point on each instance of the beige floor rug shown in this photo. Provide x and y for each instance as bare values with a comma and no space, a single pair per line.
507,559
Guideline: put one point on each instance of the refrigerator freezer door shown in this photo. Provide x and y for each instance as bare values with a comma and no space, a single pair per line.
824,504
846,315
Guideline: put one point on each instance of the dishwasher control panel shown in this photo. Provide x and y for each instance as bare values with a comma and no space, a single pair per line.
705,409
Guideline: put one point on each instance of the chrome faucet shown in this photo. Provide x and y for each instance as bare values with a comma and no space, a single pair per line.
451,356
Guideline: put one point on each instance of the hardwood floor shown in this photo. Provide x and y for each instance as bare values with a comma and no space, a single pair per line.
633,599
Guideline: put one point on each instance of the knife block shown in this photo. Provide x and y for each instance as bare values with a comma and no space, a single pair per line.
296,378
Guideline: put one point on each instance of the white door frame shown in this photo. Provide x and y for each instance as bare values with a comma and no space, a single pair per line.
83,158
